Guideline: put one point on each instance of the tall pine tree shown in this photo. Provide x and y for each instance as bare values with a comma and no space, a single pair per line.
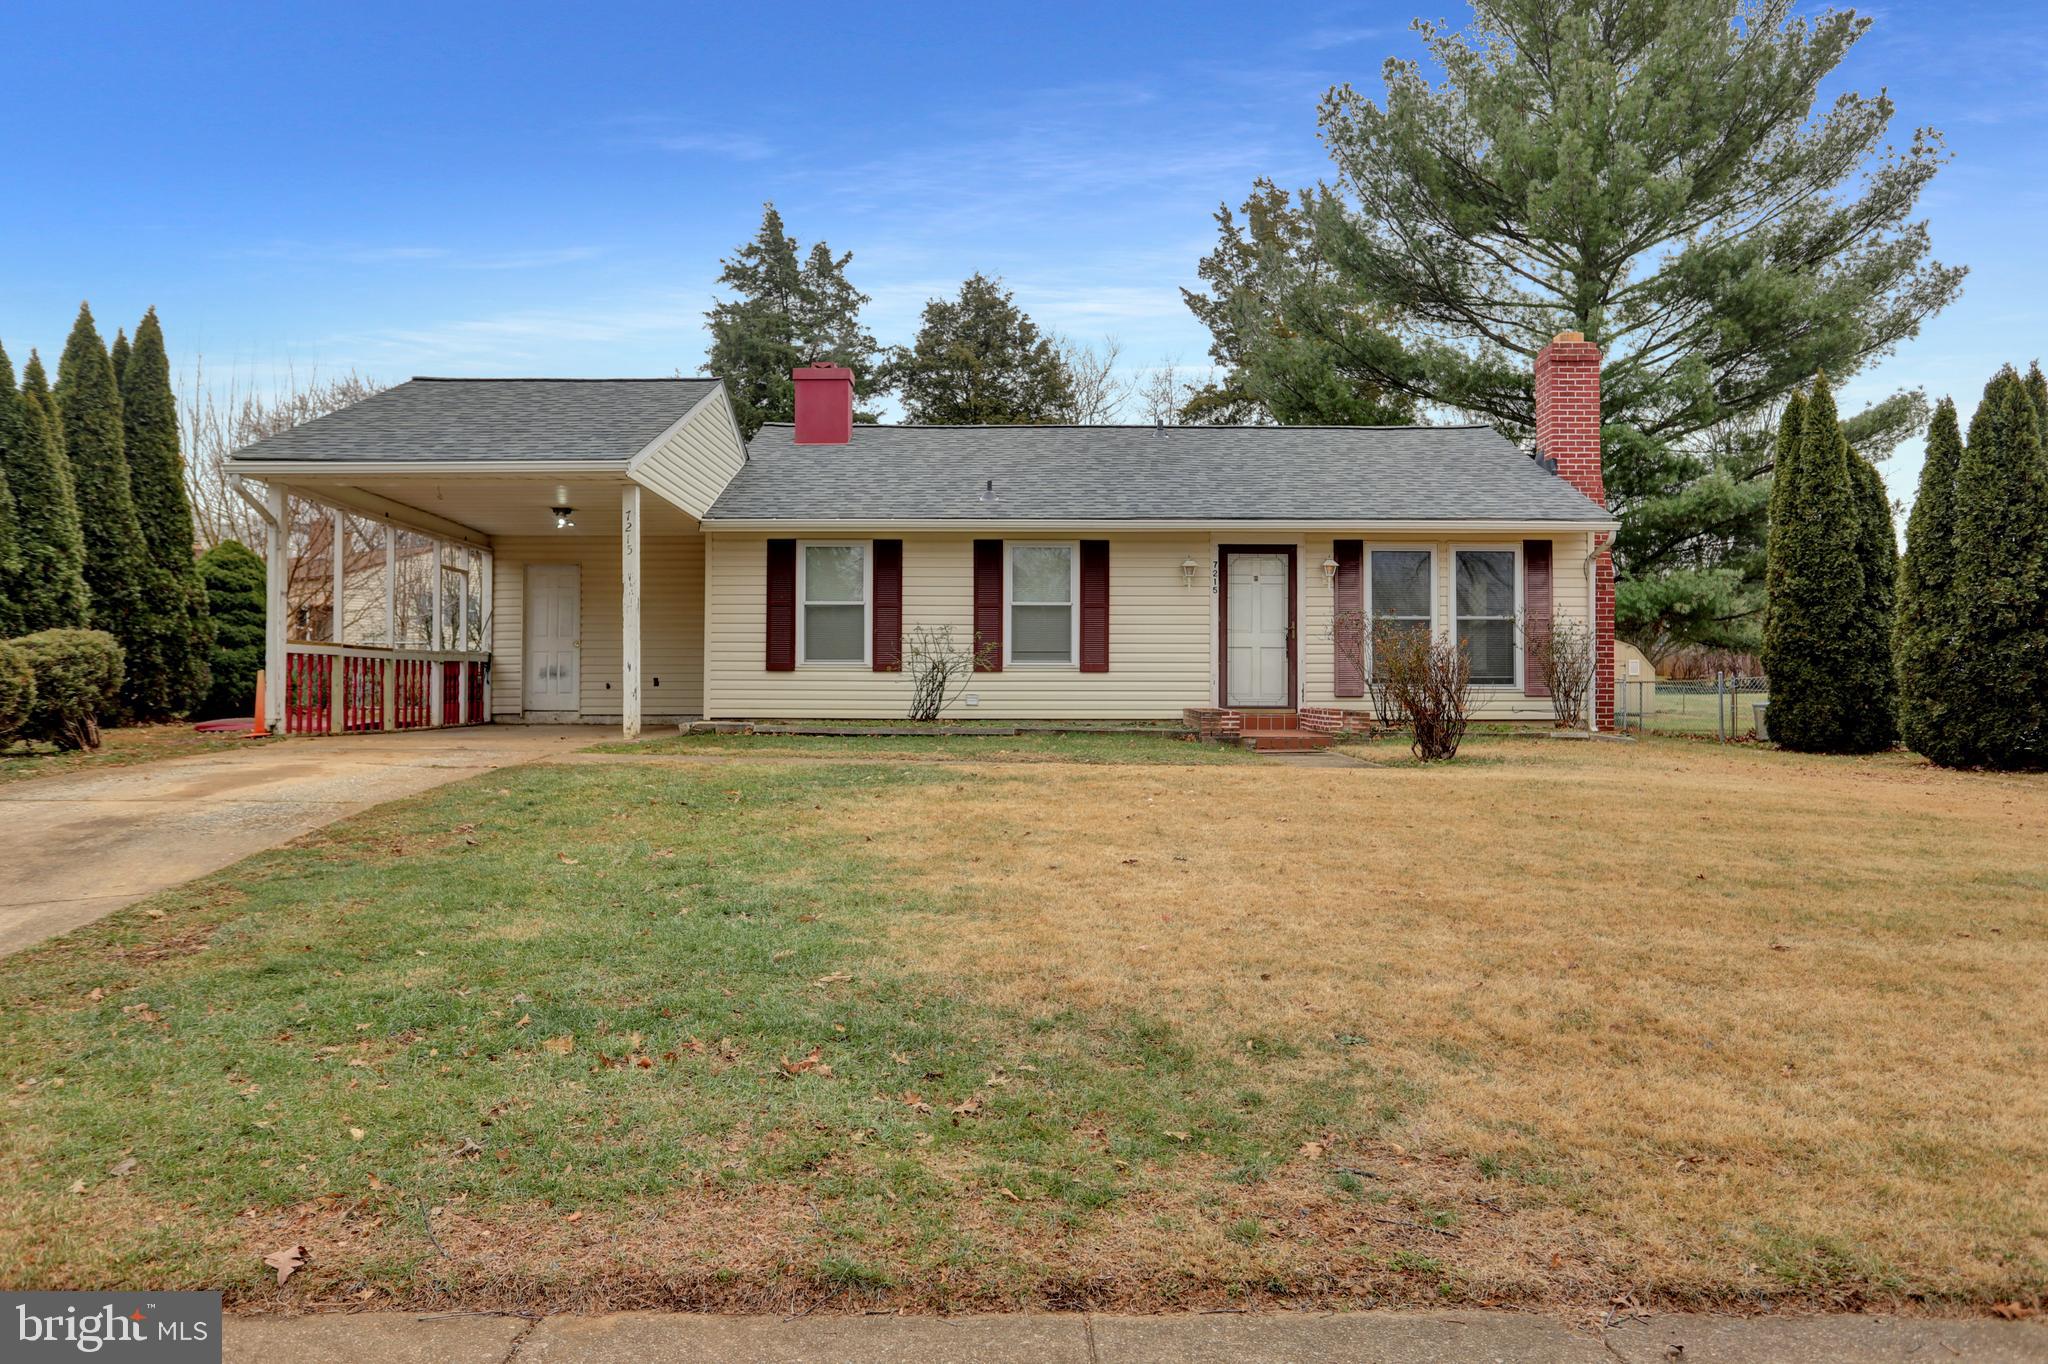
50,593
118,571
1875,724
1924,633
2000,593
156,478
1814,587
10,561
791,309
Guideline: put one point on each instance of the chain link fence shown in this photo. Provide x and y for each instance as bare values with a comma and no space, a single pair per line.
1726,706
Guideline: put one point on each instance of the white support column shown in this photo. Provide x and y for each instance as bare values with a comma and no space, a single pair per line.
490,630
629,587
434,716
340,571
390,586
274,608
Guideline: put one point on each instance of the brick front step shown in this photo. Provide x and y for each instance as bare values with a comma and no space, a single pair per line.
1283,740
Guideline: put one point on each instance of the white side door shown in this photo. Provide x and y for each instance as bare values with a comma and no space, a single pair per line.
554,594
1257,643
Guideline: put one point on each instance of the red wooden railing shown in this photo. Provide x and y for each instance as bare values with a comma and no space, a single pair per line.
308,702
412,705
314,672
362,699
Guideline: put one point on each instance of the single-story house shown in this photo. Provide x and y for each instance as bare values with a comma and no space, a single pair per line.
611,551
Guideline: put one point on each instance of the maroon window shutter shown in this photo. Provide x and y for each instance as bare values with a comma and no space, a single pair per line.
988,605
1536,593
1095,606
1350,608
781,606
888,617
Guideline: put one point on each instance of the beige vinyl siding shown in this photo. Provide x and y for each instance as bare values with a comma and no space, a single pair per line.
671,623
692,466
1159,638
1568,598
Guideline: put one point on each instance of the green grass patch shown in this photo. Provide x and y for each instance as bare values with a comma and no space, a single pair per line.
949,746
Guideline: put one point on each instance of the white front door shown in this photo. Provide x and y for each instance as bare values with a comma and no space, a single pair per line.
1257,643
553,626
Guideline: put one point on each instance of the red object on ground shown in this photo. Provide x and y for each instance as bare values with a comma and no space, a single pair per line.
238,725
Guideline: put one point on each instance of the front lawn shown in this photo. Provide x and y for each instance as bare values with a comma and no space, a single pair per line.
951,746
1554,1023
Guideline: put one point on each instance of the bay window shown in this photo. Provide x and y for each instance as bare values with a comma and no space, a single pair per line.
832,589
1043,621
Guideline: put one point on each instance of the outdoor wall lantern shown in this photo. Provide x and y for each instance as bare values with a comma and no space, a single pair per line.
1188,569
563,518
1329,572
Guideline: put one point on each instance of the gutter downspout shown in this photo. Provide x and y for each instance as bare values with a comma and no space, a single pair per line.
1592,572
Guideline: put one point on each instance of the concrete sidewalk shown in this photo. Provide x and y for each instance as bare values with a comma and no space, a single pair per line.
1293,1337
80,846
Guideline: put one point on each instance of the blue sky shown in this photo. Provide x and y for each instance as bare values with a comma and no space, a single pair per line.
547,189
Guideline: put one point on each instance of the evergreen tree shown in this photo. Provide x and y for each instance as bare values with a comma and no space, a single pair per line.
980,360
2000,592
1283,324
1875,724
117,355
1815,590
118,571
792,309
234,577
11,584
1656,175
2037,393
1924,632
156,478
50,593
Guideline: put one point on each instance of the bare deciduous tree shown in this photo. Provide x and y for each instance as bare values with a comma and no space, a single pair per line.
939,669
1430,680
1563,658
1164,394
1097,393
220,417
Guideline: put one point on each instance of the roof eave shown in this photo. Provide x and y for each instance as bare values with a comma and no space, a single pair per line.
499,468
1445,526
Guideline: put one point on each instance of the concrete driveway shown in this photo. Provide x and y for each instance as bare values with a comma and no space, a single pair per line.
77,847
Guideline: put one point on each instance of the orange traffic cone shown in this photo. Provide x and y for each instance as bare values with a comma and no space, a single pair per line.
256,730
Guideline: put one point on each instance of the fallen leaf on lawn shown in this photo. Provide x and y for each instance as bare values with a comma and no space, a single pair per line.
567,860
95,994
915,1104
77,1186
524,1019
1009,1194
154,913
967,1107
2011,1311
125,1166
836,978
1312,1149
810,1063
784,955
356,1134
574,1217
286,1262
900,1058
560,1046
1178,1136
376,1183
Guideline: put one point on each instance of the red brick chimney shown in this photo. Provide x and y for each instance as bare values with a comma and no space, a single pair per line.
824,404
1568,431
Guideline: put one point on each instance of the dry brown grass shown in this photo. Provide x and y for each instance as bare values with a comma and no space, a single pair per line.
1724,1022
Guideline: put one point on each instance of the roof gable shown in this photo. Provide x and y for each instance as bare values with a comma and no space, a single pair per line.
491,422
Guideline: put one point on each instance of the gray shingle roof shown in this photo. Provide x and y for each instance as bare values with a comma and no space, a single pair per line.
1194,473
492,420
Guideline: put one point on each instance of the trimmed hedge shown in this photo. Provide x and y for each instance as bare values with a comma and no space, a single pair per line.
17,689
77,680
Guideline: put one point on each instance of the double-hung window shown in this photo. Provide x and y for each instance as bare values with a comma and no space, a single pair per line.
1044,625
1486,614
1402,591
833,581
